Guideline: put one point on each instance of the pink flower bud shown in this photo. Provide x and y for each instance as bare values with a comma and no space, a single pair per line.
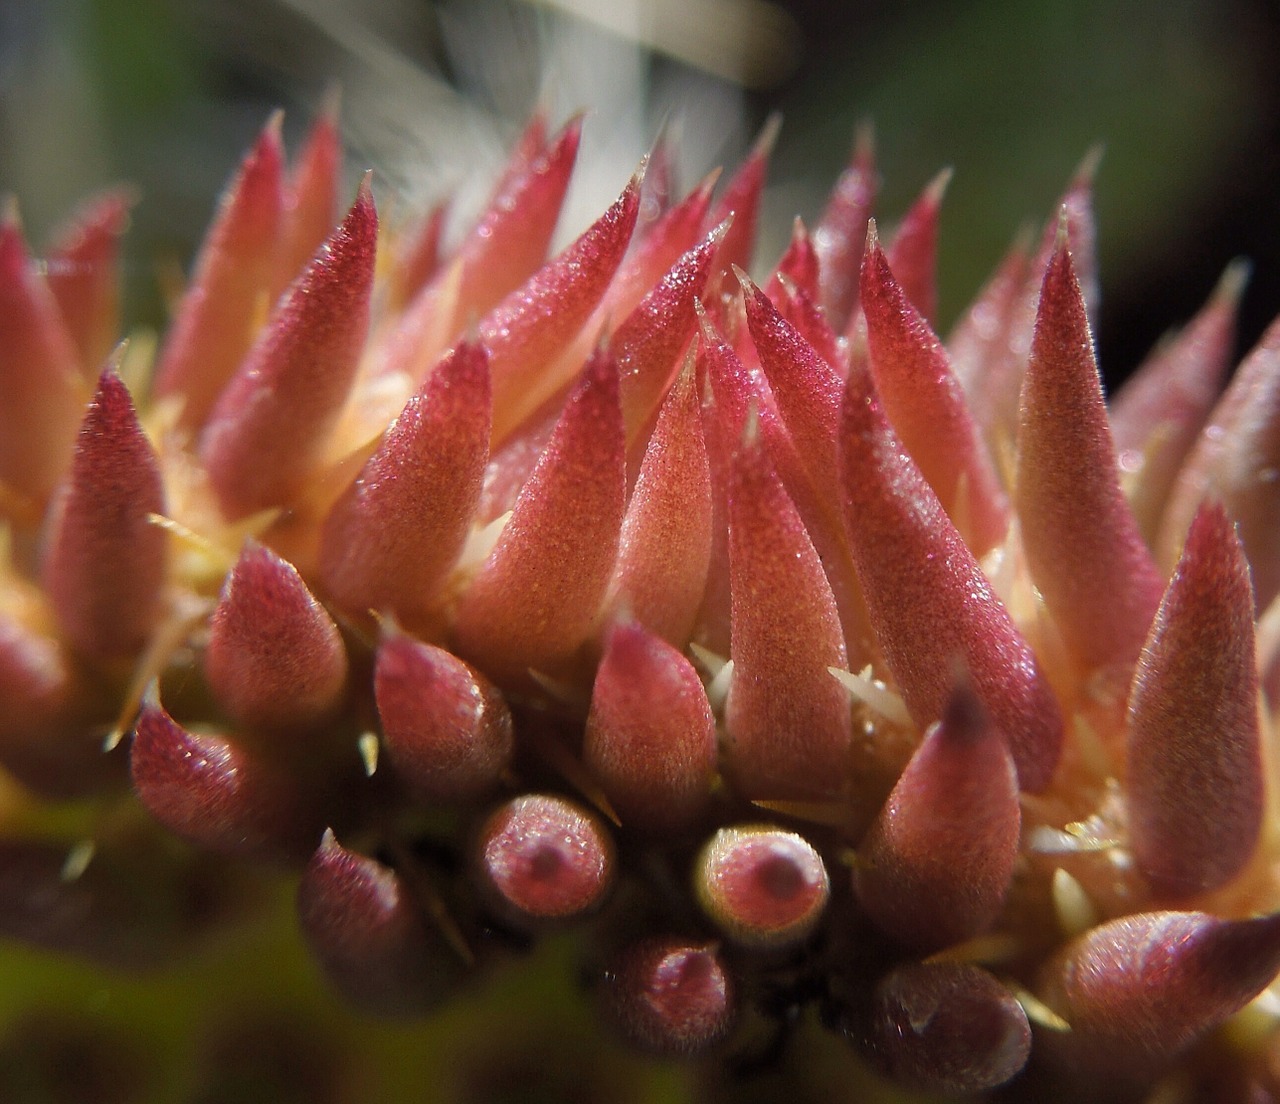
446,727
669,996
761,886
651,739
275,660
542,858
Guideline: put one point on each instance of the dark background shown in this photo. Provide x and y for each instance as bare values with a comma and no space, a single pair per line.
1184,94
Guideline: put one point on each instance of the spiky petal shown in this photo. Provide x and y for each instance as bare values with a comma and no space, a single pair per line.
267,433
665,548
926,405
105,564
310,197
41,396
363,925
82,269
389,541
947,835
446,727
540,318
841,232
787,721
215,323
1237,460
654,765
928,599
913,253
1157,414
1193,721
1086,555
536,597
275,659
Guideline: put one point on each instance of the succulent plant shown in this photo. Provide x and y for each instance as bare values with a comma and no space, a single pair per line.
823,709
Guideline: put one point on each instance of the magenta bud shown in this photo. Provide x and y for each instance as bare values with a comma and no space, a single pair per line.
105,563
218,794
446,727
391,539
1193,721
543,858
669,996
1137,990
268,432
761,886
1086,554
946,1027
368,934
948,834
651,737
275,659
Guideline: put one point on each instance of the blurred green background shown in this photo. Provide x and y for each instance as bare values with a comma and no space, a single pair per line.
1184,94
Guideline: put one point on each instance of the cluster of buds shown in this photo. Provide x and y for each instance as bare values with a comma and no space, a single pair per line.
845,692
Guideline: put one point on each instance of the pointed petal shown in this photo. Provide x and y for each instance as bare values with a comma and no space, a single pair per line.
1002,378
813,325
82,268
105,561
1236,460
275,659
542,858
41,396
913,254
389,542
928,599
418,257
787,721
842,230
798,266
268,431
807,389
926,406
983,332
536,597
654,764
741,199
537,320
664,244
948,834
216,320
1158,412
361,922
651,338
947,1027
1139,989
446,727
219,794
761,886
669,997
1193,721
510,241
665,549
310,206
1086,555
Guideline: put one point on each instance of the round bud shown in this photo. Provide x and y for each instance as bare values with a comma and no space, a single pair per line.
947,1027
542,857
762,886
669,996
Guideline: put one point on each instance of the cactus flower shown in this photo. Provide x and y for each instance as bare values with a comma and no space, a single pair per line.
619,661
